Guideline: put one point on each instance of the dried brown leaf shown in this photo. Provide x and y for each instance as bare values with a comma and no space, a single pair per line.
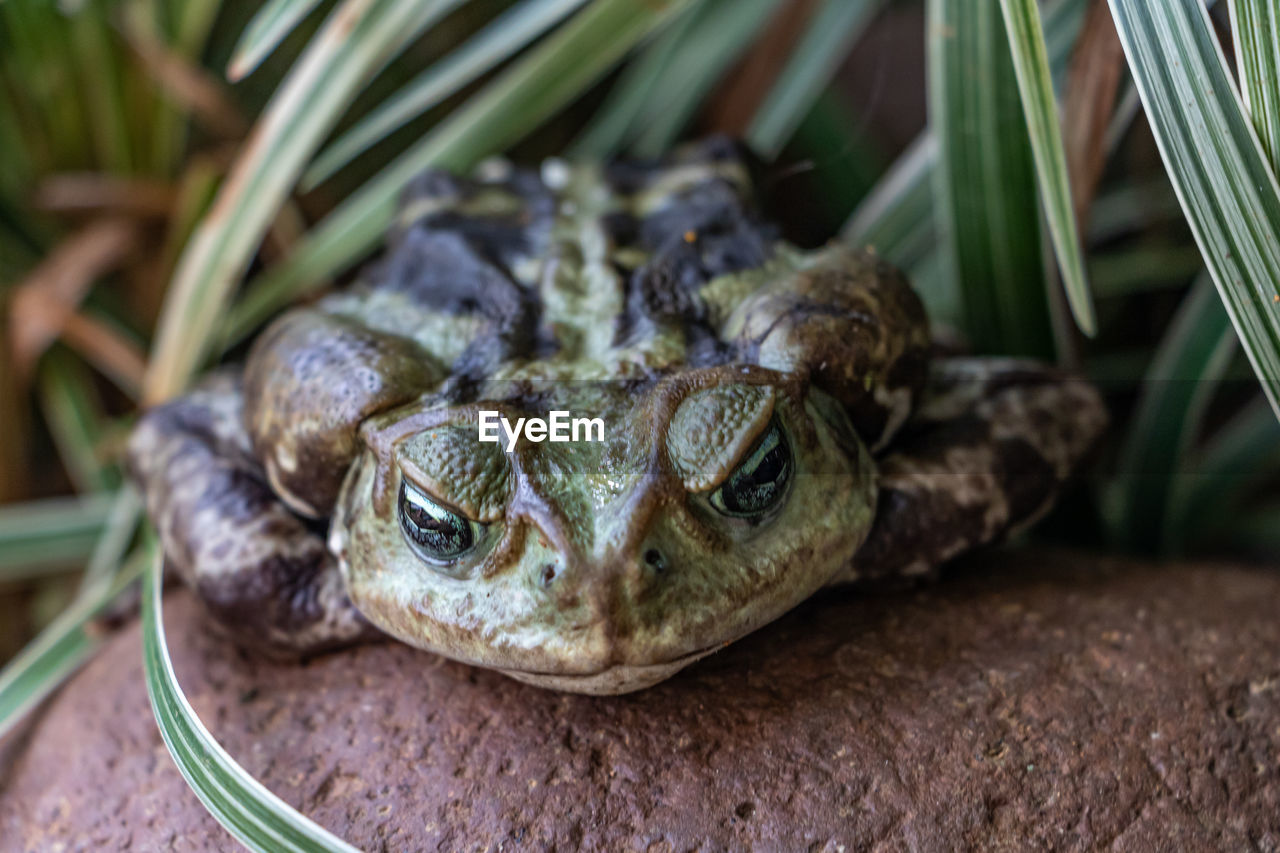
110,352
187,83
43,302
1092,81
747,84
97,193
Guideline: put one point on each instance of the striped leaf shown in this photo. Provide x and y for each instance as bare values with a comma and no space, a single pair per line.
985,184
1255,29
503,37
270,24
1218,167
1035,84
256,817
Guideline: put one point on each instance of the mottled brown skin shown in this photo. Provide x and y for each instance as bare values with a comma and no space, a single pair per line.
772,426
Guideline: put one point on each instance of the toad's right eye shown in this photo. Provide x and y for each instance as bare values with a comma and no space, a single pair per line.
437,534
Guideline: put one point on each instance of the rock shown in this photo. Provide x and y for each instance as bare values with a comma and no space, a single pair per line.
1029,700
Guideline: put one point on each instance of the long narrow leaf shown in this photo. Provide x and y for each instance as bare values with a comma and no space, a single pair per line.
61,648
896,219
52,534
1227,189
1255,28
722,32
358,38
1178,386
527,93
270,24
1031,67
987,209
828,38
503,37
1243,452
614,123
73,413
898,215
256,817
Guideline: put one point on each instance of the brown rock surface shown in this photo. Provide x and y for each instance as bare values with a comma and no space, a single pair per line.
1027,701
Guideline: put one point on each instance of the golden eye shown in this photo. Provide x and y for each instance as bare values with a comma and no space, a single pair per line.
437,534
760,481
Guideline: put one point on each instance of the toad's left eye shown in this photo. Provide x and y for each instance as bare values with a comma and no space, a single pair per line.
759,483
437,534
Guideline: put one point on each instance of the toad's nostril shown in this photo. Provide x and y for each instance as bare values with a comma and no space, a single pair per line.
548,574
653,559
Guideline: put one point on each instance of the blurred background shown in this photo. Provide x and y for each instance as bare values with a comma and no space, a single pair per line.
120,121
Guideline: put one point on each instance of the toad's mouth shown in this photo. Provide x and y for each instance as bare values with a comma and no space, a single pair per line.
612,680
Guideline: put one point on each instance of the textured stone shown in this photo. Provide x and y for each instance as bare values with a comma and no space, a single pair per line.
1028,700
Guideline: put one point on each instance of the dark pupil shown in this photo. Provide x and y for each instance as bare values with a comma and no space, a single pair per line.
759,481
441,532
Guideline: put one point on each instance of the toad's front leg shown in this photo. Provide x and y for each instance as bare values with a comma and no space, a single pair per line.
985,455
262,570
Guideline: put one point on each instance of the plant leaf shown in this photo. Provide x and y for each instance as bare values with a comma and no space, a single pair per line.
50,535
1031,68
614,123
831,33
722,31
896,219
1177,388
1243,452
988,213
528,92
1218,168
256,817
1255,29
497,42
61,647
270,24
73,413
357,39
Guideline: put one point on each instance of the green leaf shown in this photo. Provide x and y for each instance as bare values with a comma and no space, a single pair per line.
831,33
50,535
1040,108
723,30
256,817
1227,189
898,216
1177,389
614,123
118,532
1241,454
61,648
846,164
358,38
1255,29
896,219
502,38
985,183
270,24
73,412
527,93
1143,268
